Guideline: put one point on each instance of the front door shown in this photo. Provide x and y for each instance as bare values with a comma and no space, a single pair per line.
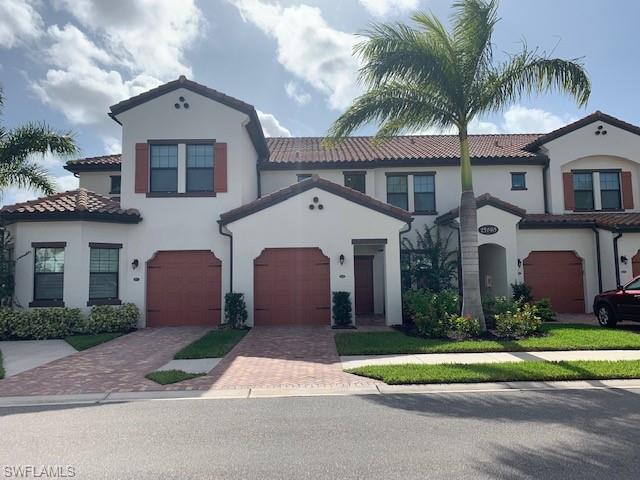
363,275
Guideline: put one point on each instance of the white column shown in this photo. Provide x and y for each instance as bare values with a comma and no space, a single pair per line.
182,168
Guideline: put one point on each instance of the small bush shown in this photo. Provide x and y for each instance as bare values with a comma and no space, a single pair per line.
235,310
464,326
342,308
111,318
38,324
430,311
520,323
544,311
521,292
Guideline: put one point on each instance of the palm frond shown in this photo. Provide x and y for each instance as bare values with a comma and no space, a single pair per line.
32,138
26,174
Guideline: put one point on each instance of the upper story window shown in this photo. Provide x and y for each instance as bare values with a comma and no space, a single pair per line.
115,185
48,282
397,191
199,168
583,191
424,193
103,273
355,180
164,168
610,191
518,181
303,176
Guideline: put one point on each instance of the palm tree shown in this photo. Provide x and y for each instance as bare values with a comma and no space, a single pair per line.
430,77
17,146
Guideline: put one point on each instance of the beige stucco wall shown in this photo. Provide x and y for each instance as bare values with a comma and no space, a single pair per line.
99,182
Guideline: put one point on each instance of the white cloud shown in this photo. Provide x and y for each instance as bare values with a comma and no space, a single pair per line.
308,47
19,22
112,145
519,119
66,182
271,126
381,8
295,93
148,36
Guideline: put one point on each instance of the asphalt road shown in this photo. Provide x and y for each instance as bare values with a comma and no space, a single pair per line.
587,434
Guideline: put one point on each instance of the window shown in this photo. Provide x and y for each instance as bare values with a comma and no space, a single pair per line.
610,191
200,168
397,191
633,285
103,274
583,190
164,168
115,185
303,176
424,193
518,181
355,180
48,274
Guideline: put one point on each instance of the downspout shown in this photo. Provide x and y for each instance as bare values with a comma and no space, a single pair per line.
456,226
545,169
402,232
258,179
615,254
597,234
220,226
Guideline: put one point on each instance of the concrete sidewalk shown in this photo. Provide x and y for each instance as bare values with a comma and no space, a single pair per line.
355,361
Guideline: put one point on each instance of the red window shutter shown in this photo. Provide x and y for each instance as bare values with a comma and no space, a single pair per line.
627,191
569,199
142,168
220,167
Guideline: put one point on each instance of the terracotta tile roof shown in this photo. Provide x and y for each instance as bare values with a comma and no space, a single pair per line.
610,220
101,163
594,117
80,204
481,201
313,182
304,150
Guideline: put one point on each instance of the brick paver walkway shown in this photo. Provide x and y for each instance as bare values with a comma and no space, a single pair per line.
266,357
118,365
280,357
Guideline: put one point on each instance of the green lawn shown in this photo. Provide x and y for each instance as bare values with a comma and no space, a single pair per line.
82,342
501,372
558,337
214,344
171,376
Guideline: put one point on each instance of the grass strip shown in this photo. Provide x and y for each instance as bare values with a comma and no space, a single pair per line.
215,344
557,337
500,372
166,377
82,342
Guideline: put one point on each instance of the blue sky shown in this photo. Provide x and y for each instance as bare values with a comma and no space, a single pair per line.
66,61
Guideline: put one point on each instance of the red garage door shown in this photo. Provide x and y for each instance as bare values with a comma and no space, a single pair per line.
183,288
558,277
291,287
635,264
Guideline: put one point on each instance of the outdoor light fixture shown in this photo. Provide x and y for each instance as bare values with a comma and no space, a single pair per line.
624,259
341,259
135,263
519,263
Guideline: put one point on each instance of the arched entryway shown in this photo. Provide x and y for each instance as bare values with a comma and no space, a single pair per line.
493,270
635,264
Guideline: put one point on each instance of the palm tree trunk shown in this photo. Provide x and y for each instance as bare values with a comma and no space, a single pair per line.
471,298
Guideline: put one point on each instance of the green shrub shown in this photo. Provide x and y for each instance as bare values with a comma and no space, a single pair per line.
235,310
544,311
111,318
520,323
430,311
342,308
39,323
522,292
464,326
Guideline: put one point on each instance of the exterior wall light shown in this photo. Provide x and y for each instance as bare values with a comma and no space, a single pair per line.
519,263
624,259
341,259
135,263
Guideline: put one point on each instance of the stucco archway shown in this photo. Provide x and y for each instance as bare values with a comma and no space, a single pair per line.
493,270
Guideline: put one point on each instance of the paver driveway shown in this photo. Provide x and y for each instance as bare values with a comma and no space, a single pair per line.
266,357
118,365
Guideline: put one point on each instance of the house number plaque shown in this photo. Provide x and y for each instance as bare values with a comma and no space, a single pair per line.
487,229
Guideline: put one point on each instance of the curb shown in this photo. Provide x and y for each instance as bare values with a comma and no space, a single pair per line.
262,393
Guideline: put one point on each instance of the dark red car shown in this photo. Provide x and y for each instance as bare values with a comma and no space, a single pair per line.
616,305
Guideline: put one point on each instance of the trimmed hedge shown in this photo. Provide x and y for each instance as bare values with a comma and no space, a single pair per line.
60,322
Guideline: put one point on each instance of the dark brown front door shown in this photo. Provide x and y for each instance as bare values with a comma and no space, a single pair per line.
363,276
635,264
292,287
558,277
183,288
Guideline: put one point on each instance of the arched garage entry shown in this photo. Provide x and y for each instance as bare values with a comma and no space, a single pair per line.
557,276
292,287
493,270
183,288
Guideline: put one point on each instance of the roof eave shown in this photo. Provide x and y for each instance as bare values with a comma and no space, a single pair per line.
9,218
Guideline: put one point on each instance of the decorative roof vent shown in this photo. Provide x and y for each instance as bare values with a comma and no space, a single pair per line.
600,130
181,103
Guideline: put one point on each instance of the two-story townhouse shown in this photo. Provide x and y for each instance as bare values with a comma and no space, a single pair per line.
200,203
